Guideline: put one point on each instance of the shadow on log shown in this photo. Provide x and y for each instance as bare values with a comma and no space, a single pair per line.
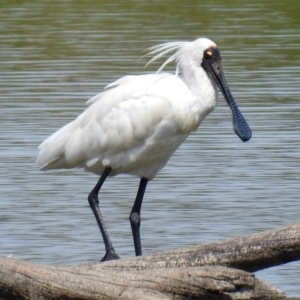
218,270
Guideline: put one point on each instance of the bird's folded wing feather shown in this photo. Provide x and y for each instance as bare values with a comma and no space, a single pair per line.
119,119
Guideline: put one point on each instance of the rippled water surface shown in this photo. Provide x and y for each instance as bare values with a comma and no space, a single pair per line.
55,55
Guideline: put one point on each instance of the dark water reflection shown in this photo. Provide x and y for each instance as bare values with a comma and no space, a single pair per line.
55,55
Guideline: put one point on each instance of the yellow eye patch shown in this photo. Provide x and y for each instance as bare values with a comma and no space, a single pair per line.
208,54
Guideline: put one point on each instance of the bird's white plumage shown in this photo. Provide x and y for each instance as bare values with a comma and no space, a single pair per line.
137,123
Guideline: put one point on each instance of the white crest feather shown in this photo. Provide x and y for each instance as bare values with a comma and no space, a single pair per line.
163,49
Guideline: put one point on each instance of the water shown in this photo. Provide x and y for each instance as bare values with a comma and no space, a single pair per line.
55,55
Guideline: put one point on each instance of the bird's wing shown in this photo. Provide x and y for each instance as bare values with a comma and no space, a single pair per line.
118,120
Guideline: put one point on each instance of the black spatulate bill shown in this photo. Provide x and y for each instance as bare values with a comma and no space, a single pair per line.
211,63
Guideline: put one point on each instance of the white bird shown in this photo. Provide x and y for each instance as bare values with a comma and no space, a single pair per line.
137,123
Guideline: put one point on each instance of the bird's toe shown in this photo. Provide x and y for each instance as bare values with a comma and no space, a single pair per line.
110,255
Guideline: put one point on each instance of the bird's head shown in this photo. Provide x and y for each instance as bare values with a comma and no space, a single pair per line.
204,53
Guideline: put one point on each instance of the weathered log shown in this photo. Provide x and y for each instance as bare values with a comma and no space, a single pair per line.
250,253
211,271
21,280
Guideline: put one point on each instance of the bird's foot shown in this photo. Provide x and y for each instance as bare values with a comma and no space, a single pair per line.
110,255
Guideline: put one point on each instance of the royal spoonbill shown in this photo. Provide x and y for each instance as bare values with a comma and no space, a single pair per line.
135,125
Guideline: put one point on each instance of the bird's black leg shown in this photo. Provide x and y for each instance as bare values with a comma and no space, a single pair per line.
94,203
135,219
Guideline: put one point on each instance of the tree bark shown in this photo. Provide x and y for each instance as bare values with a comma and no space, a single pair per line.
217,270
249,253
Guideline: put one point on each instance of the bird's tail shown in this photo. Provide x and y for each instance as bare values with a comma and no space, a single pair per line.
52,150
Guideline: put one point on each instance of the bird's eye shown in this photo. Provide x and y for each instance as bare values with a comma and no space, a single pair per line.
208,54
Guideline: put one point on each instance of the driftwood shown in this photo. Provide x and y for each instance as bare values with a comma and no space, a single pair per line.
218,270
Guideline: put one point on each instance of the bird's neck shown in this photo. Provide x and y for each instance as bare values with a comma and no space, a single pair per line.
202,87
